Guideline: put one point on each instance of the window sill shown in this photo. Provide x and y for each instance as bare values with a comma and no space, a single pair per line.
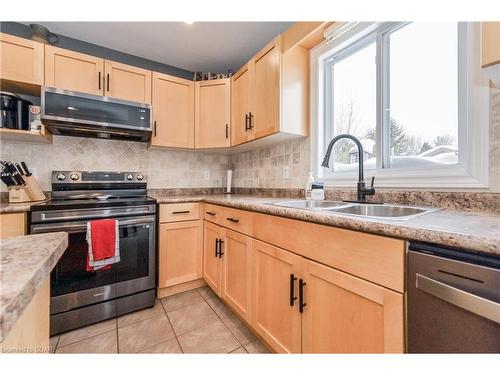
442,178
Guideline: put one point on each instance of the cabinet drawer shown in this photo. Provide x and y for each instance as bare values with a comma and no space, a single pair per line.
213,213
375,258
179,212
237,220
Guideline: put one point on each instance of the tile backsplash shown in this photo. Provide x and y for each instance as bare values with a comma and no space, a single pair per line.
165,168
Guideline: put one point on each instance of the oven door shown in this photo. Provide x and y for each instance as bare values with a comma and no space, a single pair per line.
72,286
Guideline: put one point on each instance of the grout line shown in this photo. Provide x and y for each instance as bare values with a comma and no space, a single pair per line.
172,327
85,338
229,329
117,339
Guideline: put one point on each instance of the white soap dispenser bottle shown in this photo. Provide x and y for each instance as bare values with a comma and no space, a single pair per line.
310,181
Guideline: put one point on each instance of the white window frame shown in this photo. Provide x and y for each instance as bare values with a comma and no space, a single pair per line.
472,170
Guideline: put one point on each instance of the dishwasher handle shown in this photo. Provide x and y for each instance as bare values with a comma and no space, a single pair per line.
478,305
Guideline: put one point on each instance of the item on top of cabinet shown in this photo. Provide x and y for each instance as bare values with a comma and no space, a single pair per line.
220,76
317,191
310,181
198,76
229,73
41,34
229,181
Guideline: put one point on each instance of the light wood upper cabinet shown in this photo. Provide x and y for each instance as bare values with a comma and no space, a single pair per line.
272,95
241,93
127,82
273,317
345,314
267,90
236,283
490,43
173,111
212,113
69,70
180,252
212,265
21,60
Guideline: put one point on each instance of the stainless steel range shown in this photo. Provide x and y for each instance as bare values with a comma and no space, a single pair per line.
80,297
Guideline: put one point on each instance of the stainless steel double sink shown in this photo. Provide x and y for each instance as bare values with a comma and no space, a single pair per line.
377,211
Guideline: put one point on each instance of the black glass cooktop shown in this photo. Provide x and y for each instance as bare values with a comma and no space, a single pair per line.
62,204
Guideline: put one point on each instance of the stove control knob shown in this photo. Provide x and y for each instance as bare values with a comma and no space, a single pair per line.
130,177
140,177
74,176
61,176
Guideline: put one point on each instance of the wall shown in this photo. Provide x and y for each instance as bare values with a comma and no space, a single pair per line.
23,31
165,168
263,168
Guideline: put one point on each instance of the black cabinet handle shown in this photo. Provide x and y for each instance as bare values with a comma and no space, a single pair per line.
250,117
107,82
99,80
211,213
246,121
232,219
220,248
302,304
292,288
216,247
181,212
154,129
227,131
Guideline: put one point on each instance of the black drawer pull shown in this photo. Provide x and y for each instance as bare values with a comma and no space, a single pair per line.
181,212
211,213
250,117
216,247
292,289
107,81
99,80
247,118
232,219
302,304
227,131
220,248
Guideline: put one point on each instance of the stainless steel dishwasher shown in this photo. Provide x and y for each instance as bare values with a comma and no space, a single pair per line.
453,301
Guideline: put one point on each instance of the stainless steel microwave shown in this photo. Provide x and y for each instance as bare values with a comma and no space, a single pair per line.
84,115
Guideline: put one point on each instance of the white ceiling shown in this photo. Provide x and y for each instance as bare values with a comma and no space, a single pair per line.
201,46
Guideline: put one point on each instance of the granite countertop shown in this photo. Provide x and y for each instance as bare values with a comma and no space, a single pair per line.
8,208
475,231
26,261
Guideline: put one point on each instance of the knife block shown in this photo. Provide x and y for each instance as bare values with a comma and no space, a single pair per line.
32,192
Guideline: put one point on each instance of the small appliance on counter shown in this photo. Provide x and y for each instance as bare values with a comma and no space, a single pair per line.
14,111
22,185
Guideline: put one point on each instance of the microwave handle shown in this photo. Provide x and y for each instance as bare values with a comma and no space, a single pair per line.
76,228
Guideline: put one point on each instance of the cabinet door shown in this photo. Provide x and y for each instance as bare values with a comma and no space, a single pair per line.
21,60
211,262
345,314
180,252
236,284
273,317
173,111
267,92
241,106
127,82
68,70
490,32
12,225
212,113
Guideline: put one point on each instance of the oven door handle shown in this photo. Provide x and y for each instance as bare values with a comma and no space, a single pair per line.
75,228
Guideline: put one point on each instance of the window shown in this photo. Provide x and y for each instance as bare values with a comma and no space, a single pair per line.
406,91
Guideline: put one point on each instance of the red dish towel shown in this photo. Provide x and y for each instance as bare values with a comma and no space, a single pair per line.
103,246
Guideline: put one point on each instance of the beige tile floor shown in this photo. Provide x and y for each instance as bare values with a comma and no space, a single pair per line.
191,322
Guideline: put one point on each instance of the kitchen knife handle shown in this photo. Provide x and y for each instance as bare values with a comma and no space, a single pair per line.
26,170
19,169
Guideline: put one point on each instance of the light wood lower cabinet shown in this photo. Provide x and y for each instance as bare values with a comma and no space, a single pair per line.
12,225
212,265
236,272
345,314
274,318
490,32
180,252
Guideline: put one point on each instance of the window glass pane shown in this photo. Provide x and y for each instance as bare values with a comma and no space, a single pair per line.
354,108
423,95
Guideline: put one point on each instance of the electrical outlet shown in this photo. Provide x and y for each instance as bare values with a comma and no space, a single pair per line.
286,171
206,175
